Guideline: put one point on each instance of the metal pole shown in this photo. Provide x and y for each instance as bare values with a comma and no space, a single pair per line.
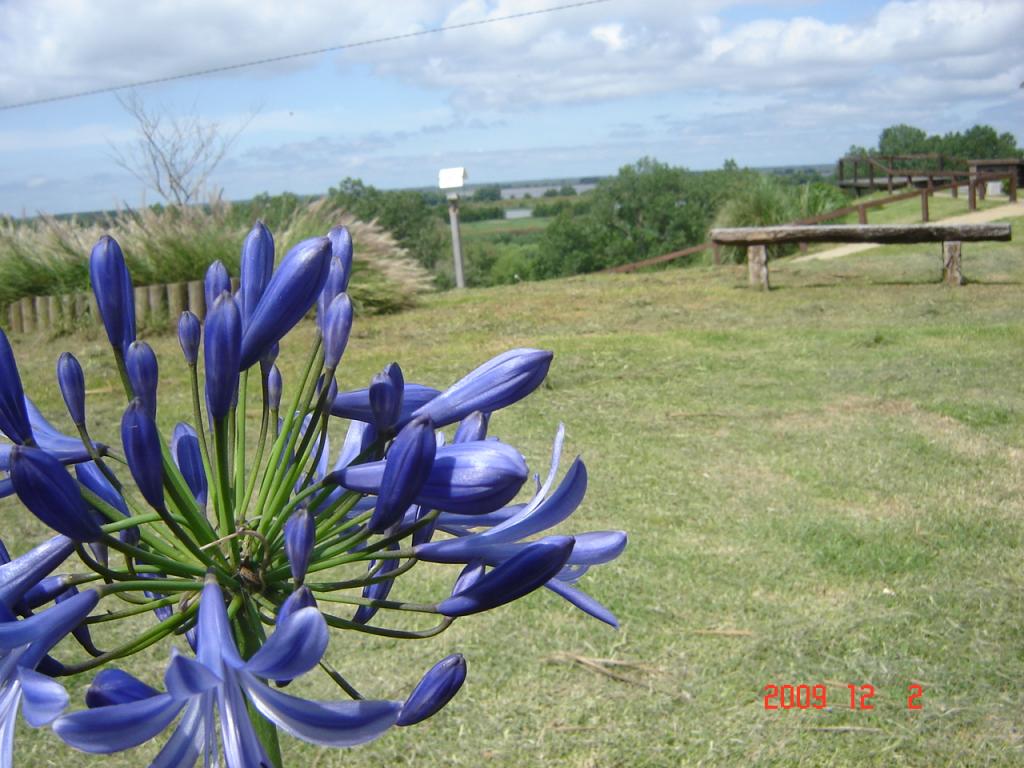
453,216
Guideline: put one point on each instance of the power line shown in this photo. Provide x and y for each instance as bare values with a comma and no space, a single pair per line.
301,54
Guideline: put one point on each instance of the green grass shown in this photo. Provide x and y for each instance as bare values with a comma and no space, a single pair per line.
485,230
940,206
822,484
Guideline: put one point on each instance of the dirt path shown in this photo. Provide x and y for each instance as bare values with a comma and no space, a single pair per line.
975,217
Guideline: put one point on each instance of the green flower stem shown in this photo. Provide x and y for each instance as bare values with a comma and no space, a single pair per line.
373,576
328,519
146,639
150,585
342,683
250,484
285,442
167,564
239,440
181,495
204,446
391,605
148,535
402,634
127,612
225,512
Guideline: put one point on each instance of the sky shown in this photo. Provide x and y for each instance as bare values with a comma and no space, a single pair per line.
574,92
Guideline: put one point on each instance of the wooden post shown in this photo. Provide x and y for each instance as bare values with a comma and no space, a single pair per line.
141,305
28,313
803,247
952,267
177,300
94,308
956,188
1013,187
67,311
972,196
889,181
716,249
81,306
862,214
757,267
53,311
14,317
197,298
42,313
453,219
871,173
156,296
924,204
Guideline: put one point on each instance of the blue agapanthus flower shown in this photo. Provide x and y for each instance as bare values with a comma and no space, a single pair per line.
249,547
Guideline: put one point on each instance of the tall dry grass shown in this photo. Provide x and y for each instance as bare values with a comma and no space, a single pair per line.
48,256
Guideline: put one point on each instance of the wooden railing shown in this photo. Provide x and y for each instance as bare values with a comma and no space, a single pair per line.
756,239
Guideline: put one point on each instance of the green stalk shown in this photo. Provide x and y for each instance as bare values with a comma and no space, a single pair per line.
248,632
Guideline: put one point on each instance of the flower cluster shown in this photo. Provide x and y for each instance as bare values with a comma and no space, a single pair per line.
249,547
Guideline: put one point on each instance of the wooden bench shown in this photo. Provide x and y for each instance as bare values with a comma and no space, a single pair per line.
950,235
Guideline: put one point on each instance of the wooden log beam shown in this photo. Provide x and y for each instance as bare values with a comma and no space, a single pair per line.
869,233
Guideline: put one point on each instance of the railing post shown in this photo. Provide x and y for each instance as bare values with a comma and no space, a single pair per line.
972,195
952,263
924,204
862,214
1013,187
716,254
956,188
757,266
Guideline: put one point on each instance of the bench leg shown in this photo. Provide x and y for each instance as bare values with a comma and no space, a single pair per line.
952,268
757,266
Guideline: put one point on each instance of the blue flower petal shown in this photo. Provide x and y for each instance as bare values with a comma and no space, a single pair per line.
329,724
43,699
120,726
115,686
186,677
295,647
583,601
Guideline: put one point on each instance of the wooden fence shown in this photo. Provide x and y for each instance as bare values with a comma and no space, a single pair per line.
154,305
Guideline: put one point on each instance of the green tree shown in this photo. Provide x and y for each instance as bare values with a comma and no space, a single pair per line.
904,140
648,209
566,190
487,193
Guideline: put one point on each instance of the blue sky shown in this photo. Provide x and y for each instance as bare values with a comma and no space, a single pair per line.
569,93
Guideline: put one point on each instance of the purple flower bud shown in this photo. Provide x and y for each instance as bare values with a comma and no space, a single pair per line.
41,593
92,477
466,478
379,590
339,272
409,461
71,381
270,356
51,494
114,686
115,297
143,373
189,333
299,538
220,353
216,281
188,456
387,391
524,572
274,387
355,404
81,632
499,382
296,601
473,427
336,328
257,267
289,295
13,415
22,573
436,689
468,576
142,450
341,249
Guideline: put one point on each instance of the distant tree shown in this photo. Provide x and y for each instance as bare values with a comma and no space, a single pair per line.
173,155
566,190
904,140
649,208
980,142
487,193
550,192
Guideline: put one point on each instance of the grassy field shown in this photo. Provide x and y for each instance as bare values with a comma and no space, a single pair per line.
822,485
473,231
